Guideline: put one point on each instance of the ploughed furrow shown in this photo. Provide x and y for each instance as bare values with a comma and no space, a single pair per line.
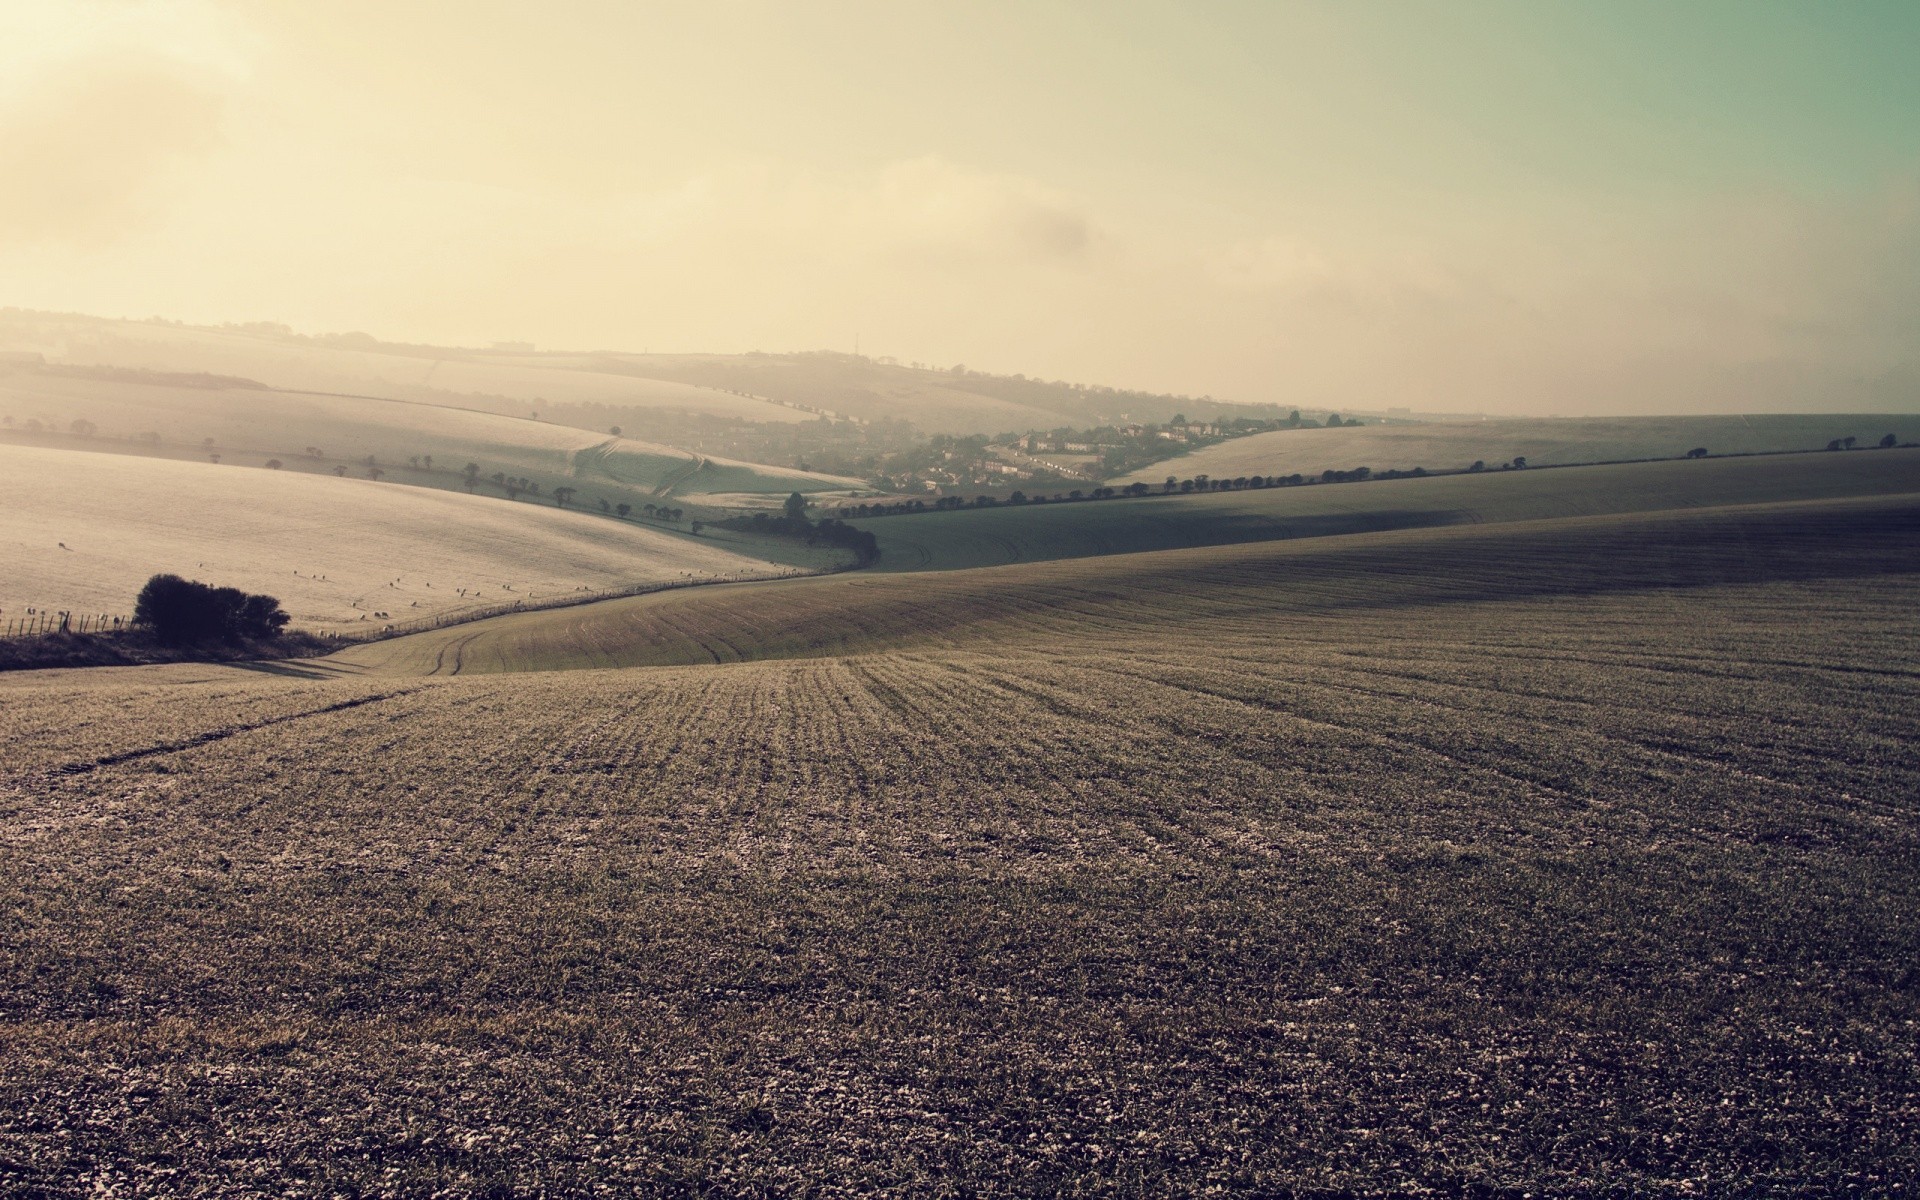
1154,880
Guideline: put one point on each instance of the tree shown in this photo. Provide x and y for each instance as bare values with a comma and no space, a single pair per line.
1333,420
426,460
561,495
1847,442
1519,463
1889,442
82,427
1478,465
374,473
274,464
796,508
472,472
340,471
1834,444
1697,452
213,458
615,431
624,509
697,527
181,611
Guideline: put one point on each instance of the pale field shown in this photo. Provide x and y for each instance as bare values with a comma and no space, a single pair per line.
1569,857
1029,533
865,391
250,426
320,368
335,551
1455,446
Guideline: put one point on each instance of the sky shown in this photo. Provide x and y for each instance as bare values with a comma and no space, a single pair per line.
1538,208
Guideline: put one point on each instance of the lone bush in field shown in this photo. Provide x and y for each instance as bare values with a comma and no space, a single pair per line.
181,611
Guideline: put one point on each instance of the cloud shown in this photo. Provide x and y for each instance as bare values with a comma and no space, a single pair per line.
83,153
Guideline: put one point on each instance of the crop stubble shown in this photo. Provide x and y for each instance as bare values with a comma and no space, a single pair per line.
1555,893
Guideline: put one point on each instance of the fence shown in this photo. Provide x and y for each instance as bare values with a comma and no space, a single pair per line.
39,621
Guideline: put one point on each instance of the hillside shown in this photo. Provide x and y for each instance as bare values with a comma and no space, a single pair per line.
1007,534
82,531
1124,598
1455,446
1482,857
755,387
362,366
413,443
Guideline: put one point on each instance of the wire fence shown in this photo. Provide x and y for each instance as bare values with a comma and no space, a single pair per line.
36,622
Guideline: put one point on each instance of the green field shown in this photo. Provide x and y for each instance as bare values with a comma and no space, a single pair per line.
1455,446
1029,533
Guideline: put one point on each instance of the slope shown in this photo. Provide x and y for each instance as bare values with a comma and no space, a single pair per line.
362,366
1129,599
413,443
1457,446
1211,888
81,532
982,537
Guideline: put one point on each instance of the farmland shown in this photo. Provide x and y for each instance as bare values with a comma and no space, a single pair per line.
340,366
1030,533
421,444
1454,446
83,531
1573,857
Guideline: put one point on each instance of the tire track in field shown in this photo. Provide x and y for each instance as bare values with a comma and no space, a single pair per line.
222,734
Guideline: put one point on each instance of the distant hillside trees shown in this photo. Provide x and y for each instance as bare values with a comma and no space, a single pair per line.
182,611
1889,442
793,523
1697,452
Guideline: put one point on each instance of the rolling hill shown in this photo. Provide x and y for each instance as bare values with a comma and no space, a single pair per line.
1455,446
1473,860
82,531
362,366
1007,534
756,387
414,443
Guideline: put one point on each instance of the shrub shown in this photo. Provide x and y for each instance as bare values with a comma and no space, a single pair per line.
181,611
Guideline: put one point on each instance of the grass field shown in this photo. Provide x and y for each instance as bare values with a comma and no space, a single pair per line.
1456,446
250,426
986,537
83,531
1572,857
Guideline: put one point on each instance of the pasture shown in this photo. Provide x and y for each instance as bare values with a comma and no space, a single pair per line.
1570,857
1455,446
953,540
83,531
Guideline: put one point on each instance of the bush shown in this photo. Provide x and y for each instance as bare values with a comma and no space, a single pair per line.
181,611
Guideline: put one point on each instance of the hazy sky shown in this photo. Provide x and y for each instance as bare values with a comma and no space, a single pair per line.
1530,207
